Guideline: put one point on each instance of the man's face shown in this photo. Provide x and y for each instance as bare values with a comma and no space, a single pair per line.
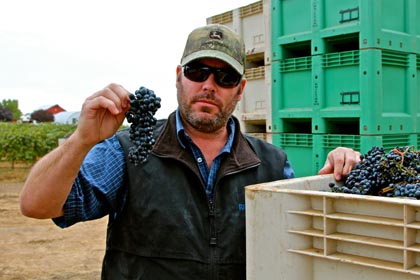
207,106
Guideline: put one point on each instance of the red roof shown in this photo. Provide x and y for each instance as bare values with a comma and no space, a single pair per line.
53,109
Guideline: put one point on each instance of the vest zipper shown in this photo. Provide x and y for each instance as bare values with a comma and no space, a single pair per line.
212,219
213,240
213,237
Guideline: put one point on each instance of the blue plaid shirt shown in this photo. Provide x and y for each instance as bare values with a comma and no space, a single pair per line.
99,186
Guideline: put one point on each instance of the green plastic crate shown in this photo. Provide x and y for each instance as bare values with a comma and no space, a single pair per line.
365,143
417,90
291,87
334,26
307,152
371,91
417,12
285,14
300,151
418,141
295,122
386,24
376,86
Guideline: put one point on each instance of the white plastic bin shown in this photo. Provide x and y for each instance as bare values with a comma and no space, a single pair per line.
297,229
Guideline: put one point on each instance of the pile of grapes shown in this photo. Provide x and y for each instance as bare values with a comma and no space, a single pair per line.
143,106
392,174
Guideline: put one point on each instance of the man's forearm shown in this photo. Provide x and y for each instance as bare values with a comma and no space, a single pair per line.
50,180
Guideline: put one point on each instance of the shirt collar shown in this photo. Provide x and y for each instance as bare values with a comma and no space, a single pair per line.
182,135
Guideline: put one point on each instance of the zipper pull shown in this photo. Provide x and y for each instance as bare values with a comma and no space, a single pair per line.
211,209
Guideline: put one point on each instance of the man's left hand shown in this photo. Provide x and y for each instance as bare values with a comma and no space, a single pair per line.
340,161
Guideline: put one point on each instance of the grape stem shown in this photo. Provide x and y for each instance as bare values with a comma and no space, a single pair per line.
395,150
400,164
385,190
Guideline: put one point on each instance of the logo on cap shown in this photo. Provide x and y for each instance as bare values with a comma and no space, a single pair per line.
216,35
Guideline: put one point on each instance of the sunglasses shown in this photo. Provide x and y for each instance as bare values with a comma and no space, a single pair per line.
224,77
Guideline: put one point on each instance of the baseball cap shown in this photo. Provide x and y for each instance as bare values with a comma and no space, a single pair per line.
216,41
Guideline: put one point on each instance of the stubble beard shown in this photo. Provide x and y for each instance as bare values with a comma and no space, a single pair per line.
207,124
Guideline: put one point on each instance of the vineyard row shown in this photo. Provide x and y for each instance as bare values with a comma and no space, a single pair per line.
26,143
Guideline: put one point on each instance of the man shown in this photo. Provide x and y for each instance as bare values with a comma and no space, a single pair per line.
180,214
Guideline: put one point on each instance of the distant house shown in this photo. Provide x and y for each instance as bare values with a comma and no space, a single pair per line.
53,109
25,118
67,117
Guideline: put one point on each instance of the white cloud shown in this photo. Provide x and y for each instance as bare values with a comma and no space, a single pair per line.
60,52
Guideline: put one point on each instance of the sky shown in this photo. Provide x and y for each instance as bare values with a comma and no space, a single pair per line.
60,52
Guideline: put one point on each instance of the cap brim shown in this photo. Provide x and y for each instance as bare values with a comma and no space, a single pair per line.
214,54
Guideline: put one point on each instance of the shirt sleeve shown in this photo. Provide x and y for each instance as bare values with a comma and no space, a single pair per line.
288,172
98,188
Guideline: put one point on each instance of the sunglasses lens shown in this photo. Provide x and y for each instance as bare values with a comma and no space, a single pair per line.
224,77
228,78
196,74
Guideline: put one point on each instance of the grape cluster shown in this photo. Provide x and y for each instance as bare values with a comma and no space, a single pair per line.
392,174
143,106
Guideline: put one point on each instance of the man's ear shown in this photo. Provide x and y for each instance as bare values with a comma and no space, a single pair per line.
241,88
178,70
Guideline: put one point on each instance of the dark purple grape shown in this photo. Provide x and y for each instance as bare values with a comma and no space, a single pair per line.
392,174
143,106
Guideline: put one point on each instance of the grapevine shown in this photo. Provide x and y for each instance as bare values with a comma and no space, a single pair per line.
143,106
392,174
26,143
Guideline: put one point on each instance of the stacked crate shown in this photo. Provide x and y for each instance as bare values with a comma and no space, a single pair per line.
252,23
344,73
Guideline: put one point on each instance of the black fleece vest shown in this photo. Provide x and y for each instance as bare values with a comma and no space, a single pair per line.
168,229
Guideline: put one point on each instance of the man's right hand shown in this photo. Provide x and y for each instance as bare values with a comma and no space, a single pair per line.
50,180
102,114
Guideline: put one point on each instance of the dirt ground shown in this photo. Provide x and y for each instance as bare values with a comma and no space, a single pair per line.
38,249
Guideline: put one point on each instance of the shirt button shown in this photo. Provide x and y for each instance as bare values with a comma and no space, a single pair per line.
199,160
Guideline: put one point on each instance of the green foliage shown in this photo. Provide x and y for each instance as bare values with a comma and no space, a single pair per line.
13,106
28,142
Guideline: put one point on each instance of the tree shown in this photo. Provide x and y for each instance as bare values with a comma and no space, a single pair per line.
13,106
42,116
5,114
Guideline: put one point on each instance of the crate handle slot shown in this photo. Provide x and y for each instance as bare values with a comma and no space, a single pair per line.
349,15
350,97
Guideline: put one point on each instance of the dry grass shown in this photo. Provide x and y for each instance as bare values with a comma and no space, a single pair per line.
13,175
